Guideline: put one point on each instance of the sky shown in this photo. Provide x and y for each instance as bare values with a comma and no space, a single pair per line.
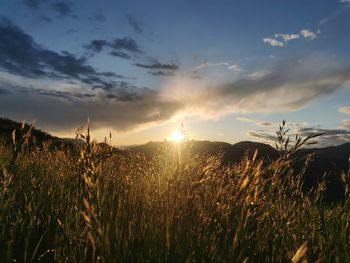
225,70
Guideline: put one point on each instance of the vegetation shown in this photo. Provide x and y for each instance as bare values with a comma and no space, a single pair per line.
91,203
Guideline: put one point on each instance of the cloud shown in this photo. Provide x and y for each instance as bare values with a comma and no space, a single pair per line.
46,19
99,17
122,109
62,8
34,4
287,37
345,124
68,90
206,64
118,46
344,109
162,73
134,24
245,119
273,42
345,1
157,65
328,137
308,34
97,45
264,136
4,92
125,44
21,55
119,54
281,40
288,86
232,67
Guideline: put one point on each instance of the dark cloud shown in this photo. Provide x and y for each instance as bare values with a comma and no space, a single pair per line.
46,19
4,92
99,17
97,45
119,54
72,31
119,47
158,66
262,136
162,73
134,24
62,8
266,124
35,4
107,86
21,55
119,109
125,44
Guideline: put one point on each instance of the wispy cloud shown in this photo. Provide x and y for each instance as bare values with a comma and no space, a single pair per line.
35,4
62,8
345,124
119,47
233,67
162,73
273,42
134,24
344,109
328,137
288,86
308,34
246,119
157,65
281,40
287,37
98,17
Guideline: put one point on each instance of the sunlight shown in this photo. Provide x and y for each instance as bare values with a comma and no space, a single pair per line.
177,136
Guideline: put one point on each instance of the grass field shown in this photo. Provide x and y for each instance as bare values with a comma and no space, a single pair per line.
93,204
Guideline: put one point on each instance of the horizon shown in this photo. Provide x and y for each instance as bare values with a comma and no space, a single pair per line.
144,71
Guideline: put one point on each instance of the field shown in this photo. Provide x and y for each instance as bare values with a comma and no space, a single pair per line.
92,203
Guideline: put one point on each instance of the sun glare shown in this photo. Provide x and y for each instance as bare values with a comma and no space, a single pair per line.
177,136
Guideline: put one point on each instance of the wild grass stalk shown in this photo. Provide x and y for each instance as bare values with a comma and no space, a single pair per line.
95,204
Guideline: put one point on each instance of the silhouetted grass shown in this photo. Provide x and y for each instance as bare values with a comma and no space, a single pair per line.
98,205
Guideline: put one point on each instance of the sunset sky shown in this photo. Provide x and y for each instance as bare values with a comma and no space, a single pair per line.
226,70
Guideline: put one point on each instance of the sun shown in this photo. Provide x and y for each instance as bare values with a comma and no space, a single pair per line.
177,136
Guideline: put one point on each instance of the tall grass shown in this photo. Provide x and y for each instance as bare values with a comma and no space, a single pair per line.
94,204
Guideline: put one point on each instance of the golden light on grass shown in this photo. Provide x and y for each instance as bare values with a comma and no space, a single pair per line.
177,136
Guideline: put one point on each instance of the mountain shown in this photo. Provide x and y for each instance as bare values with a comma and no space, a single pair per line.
232,153
327,164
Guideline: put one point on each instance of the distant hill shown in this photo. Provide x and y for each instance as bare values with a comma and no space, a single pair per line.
328,163
232,152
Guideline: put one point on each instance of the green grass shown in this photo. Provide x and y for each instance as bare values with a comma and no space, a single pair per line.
97,205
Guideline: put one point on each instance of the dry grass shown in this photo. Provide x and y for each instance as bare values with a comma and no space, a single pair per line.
96,205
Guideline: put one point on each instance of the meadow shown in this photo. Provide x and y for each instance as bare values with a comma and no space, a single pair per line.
93,203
